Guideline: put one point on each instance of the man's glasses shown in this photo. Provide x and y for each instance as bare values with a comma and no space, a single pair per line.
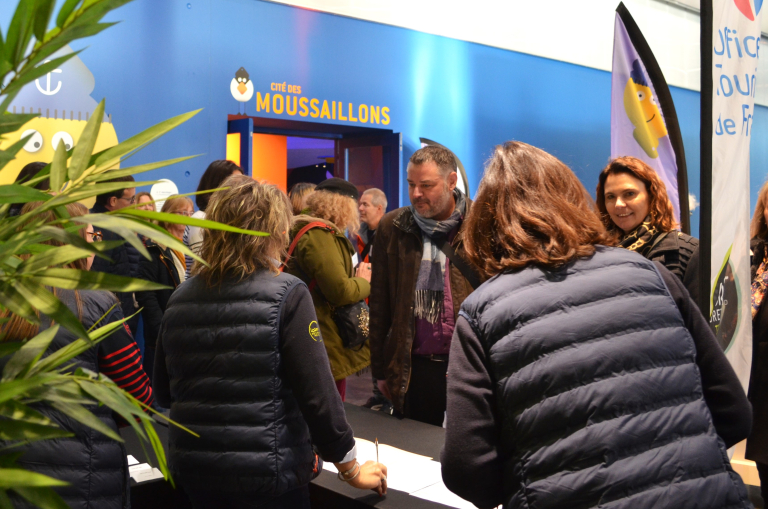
95,236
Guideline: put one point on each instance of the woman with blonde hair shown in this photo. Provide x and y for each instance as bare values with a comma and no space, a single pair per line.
298,194
580,375
144,201
240,362
636,211
167,267
323,260
93,466
757,443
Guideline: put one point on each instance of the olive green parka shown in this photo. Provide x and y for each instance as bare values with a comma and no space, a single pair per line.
327,258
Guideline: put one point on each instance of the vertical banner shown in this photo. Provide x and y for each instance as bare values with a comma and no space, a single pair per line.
733,51
643,118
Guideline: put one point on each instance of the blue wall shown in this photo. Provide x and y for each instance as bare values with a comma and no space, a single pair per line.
169,57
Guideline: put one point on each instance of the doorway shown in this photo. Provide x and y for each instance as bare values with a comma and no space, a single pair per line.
285,152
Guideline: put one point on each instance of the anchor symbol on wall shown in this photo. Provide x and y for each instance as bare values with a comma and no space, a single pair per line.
48,90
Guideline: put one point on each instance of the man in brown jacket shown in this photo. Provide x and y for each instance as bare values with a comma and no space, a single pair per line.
416,291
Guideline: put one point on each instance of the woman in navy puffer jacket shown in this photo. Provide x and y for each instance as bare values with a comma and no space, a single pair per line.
581,375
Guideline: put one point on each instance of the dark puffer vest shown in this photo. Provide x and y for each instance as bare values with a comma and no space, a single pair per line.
598,395
94,465
222,351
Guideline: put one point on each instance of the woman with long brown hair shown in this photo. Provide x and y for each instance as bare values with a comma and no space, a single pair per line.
241,362
636,211
757,443
576,378
93,465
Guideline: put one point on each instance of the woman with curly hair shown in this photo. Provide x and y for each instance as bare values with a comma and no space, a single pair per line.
636,211
323,259
580,374
757,443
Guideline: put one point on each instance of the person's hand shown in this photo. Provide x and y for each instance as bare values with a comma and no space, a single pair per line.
372,476
364,271
384,389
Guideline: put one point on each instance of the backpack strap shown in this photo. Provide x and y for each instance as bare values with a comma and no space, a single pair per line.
295,242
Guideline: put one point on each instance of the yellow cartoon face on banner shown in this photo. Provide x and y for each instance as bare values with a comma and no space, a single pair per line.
63,101
643,112
46,134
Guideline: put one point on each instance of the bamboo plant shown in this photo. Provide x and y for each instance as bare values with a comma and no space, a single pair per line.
30,268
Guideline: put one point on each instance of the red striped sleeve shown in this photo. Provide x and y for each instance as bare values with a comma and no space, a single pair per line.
123,366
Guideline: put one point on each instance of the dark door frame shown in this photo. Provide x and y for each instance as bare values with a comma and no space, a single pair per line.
246,125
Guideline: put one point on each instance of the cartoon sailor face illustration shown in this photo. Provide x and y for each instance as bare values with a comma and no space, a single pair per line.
241,86
643,112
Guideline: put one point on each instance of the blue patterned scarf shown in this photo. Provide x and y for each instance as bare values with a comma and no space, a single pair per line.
430,284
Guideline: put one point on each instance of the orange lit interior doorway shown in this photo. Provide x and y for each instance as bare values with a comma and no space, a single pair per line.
285,152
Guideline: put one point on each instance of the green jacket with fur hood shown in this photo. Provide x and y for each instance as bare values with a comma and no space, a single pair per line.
327,258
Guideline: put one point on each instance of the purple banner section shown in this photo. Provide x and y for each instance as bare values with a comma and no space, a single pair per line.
638,128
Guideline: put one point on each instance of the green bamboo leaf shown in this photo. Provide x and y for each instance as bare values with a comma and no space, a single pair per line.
157,445
59,167
30,353
133,170
39,297
66,9
10,122
82,192
56,256
117,400
124,228
43,11
61,389
82,153
15,388
9,154
92,11
77,347
19,412
19,32
108,157
20,431
12,300
84,416
44,498
9,347
180,219
5,500
74,279
32,236
18,82
8,460
13,193
19,478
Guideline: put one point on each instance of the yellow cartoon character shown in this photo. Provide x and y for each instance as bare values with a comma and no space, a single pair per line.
46,134
643,112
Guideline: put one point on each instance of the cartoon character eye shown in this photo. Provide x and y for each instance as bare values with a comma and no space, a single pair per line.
35,143
62,136
640,95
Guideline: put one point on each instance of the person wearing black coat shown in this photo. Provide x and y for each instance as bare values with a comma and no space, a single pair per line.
94,465
581,375
635,209
123,259
241,361
757,443
167,267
